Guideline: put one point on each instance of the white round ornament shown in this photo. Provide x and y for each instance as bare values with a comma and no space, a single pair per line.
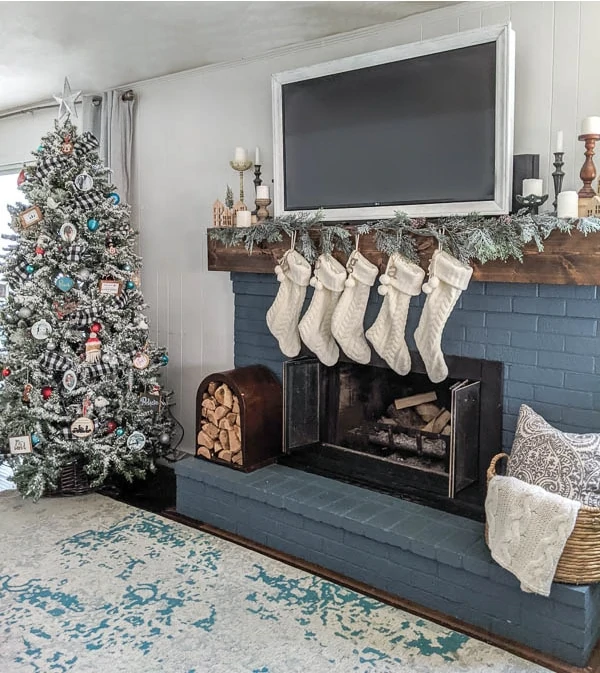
41,329
51,203
69,380
82,427
136,441
101,402
141,361
24,312
84,182
68,232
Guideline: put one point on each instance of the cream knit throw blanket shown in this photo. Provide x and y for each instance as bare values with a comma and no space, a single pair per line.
527,530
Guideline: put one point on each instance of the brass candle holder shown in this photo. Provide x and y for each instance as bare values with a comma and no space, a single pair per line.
241,166
261,209
588,170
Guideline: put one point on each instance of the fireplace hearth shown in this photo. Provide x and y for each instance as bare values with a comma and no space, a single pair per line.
344,422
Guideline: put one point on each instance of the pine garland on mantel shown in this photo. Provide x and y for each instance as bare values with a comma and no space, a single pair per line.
469,238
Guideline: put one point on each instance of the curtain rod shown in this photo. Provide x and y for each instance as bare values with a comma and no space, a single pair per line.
128,95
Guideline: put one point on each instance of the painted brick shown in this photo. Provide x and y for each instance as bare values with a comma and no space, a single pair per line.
528,374
581,420
468,318
551,412
262,289
564,398
451,550
567,362
471,350
515,355
483,603
538,341
512,289
575,327
488,335
523,391
539,306
582,345
512,321
486,303
568,291
580,308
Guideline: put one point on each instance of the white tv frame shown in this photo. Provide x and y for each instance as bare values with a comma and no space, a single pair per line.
503,36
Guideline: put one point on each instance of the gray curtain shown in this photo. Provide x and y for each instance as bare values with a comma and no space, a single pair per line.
110,119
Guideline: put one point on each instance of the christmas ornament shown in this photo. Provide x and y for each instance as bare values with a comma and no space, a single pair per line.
110,287
84,182
315,326
82,427
101,403
21,177
115,198
30,216
448,278
164,360
27,390
64,308
41,330
348,317
150,401
24,312
141,360
95,327
39,251
93,348
93,224
69,380
136,441
401,281
130,285
111,426
126,267
119,432
165,438
6,372
40,148
51,346
293,273
19,445
64,283
68,232
67,101
46,392
30,269
35,440
84,274
51,203
20,324
67,146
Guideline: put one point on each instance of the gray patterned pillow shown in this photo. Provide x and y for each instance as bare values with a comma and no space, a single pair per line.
560,462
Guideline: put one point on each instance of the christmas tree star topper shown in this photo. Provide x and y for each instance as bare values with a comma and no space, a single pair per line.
67,101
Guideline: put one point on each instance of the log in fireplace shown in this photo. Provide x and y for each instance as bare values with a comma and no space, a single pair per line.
403,435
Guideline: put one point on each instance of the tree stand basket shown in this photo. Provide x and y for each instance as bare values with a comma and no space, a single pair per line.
580,560
72,481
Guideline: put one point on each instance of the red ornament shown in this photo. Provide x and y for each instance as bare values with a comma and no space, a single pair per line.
6,372
39,251
112,426
95,327
21,178
46,392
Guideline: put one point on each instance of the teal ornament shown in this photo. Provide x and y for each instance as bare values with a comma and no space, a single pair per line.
40,148
126,267
164,359
130,285
64,283
30,269
115,198
93,224
119,432
35,439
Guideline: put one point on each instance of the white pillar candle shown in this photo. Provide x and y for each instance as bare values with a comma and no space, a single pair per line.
257,157
240,154
559,142
567,205
533,186
262,192
243,218
590,125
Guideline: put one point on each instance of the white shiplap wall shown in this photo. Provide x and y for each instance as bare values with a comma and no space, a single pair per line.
189,123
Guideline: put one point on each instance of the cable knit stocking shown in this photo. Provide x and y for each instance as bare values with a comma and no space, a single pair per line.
447,279
293,272
401,281
315,326
347,320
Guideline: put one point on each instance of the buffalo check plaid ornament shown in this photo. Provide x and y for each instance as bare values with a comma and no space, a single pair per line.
87,142
54,361
73,254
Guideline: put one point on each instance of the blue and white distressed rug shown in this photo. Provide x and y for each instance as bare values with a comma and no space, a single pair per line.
89,585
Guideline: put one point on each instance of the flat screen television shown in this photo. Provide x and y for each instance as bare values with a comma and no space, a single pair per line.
424,128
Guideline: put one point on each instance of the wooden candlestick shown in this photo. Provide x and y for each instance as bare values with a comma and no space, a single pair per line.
588,170
261,209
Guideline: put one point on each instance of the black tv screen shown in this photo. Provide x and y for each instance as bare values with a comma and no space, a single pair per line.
414,131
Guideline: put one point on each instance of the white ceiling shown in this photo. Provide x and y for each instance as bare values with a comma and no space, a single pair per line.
100,45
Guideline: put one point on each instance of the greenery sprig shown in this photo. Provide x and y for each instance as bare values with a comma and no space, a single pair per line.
469,238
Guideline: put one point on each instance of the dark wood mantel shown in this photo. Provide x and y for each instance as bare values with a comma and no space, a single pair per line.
566,260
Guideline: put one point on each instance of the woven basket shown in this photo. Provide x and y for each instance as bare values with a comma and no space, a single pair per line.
72,480
580,560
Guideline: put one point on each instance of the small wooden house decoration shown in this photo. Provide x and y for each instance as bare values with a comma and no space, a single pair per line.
224,216
589,207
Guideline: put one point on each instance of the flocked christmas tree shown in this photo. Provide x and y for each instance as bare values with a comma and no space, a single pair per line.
80,379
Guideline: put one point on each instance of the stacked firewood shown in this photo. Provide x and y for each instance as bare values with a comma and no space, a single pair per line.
419,412
220,433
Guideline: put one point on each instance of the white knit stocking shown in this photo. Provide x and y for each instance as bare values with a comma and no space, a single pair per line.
347,320
401,281
315,326
293,272
447,279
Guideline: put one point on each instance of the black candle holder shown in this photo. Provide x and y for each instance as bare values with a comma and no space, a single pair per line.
557,176
257,181
531,202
